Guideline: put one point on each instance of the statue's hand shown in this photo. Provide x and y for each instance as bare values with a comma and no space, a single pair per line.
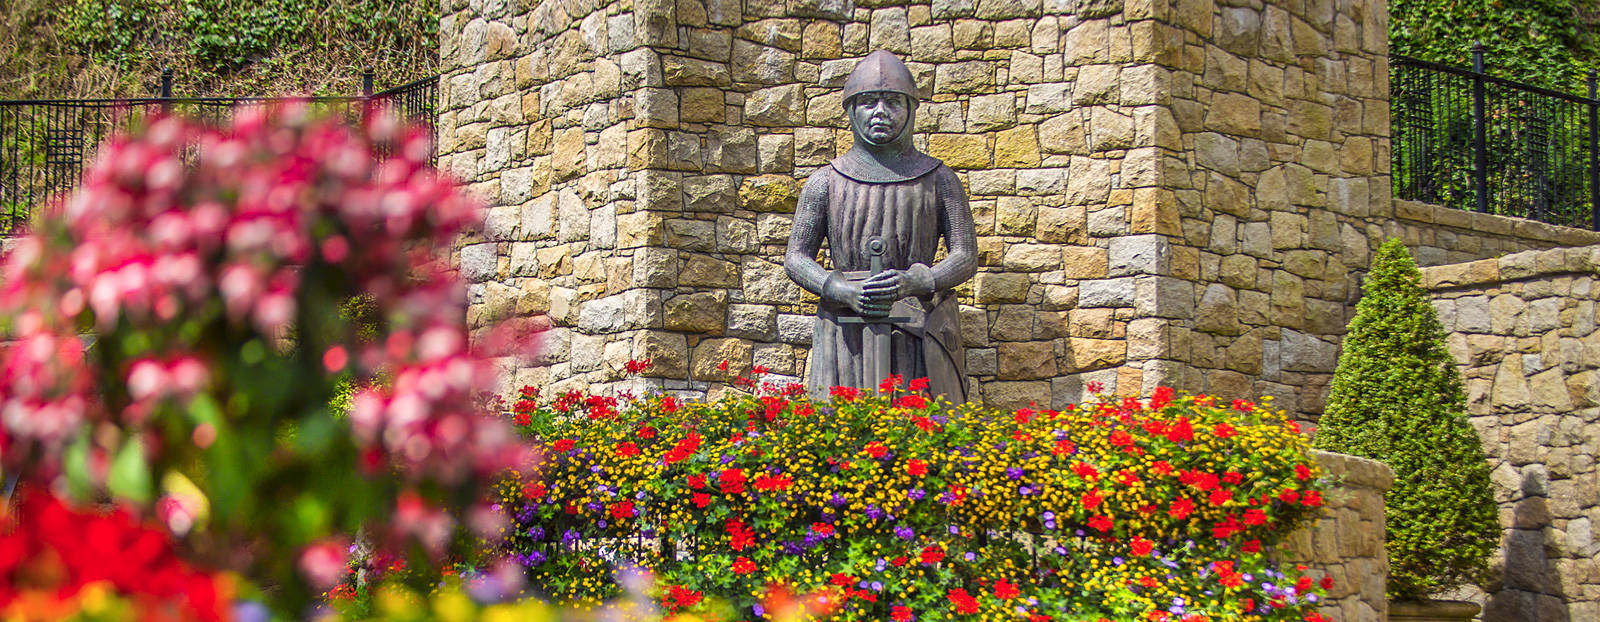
892,285
852,295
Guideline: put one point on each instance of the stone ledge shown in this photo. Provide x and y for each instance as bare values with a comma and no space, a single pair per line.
1355,472
1417,211
1514,267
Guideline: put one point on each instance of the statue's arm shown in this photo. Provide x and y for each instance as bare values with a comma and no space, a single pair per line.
805,237
961,236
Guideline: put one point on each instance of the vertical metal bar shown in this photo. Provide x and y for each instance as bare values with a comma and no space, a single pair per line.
1594,155
1480,149
366,82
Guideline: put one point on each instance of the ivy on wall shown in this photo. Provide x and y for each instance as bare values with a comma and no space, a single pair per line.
1551,43
216,47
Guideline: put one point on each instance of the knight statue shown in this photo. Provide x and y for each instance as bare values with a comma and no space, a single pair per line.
888,305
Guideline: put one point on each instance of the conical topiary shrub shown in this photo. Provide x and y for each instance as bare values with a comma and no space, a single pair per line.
1397,397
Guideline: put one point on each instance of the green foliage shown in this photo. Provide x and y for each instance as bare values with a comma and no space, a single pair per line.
1551,43
215,47
1397,397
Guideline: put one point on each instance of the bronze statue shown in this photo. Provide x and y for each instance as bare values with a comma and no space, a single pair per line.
887,307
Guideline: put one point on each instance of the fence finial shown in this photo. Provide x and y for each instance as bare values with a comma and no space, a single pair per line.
366,81
166,82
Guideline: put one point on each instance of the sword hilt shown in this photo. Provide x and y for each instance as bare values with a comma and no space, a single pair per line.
875,249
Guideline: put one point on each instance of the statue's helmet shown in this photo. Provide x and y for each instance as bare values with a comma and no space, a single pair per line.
880,71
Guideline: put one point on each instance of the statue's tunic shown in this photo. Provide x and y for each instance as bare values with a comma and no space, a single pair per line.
911,216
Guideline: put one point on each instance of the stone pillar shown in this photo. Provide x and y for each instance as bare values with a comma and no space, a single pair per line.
1348,542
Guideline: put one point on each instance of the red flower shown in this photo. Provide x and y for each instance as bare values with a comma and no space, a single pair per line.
1062,447
700,499
1327,582
622,509
731,481
1181,432
917,384
1302,472
564,445
1141,546
912,401
1085,471
899,561
723,366
1091,499
1121,438
1224,430
1162,467
848,394
1220,496
841,579
743,565
877,450
1254,517
1181,508
669,404
1004,590
932,555
740,537
822,529
900,613
1303,585
679,596
534,490
964,602
925,424
1289,495
917,468
889,384
768,483
1101,523
1160,398
627,449
697,481
635,366
1251,546
1311,498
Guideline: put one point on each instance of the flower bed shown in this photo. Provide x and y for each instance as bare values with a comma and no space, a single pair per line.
893,507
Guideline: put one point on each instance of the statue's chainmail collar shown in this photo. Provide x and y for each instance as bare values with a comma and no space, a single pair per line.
862,166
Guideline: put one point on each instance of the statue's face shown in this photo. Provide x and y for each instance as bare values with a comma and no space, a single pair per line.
879,116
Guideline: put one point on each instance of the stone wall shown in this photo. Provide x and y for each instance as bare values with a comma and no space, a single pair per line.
1523,331
1348,542
1178,192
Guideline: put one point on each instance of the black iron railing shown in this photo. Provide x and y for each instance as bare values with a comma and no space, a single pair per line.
1468,140
44,144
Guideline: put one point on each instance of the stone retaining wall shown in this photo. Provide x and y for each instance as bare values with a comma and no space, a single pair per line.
1523,331
1348,543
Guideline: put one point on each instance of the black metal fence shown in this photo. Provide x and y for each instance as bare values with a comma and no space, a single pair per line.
1468,140
45,143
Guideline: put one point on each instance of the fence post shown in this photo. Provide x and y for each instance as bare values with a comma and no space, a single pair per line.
366,82
1480,174
1594,155
166,82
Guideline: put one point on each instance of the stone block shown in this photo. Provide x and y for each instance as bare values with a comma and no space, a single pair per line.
1139,254
996,287
769,193
705,271
960,151
1026,360
702,312
766,282
1118,292
776,106
1089,354
720,360
751,321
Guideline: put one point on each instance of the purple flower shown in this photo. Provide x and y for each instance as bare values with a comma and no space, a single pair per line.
904,533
